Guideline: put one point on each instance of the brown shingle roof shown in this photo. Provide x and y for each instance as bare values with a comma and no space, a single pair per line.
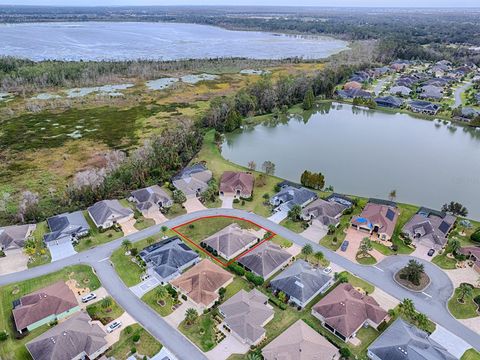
202,282
54,299
377,215
68,340
299,342
345,309
352,85
232,181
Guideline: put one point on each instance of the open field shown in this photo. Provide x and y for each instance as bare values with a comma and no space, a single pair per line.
13,349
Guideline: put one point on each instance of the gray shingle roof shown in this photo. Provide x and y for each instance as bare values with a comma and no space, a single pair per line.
402,341
300,280
389,101
290,196
265,258
66,225
105,209
14,237
68,340
167,256
151,196
245,314
325,211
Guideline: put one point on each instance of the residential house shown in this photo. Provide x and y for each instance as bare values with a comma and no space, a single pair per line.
400,90
289,196
431,92
150,199
167,259
300,342
378,217
14,237
344,311
246,314
237,184
429,227
380,71
324,212
192,180
354,93
424,107
352,85
360,77
402,341
477,98
473,254
202,282
230,242
301,282
75,338
400,65
54,302
266,259
389,101
66,228
107,213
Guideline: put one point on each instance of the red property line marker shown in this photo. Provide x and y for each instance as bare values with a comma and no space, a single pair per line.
223,263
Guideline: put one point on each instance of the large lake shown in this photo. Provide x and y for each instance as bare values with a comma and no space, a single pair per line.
369,153
163,41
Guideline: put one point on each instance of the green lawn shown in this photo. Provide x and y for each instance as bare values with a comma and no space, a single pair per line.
279,240
151,300
471,354
357,282
406,212
468,309
13,349
385,250
96,237
295,226
444,262
42,254
146,346
201,333
237,285
462,234
366,336
366,260
105,314
175,210
201,229
143,223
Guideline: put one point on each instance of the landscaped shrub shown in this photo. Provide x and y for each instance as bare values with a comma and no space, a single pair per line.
136,338
277,302
254,279
237,269
236,201
3,335
383,325
476,236
477,300
394,247
173,293
133,350
133,251
345,352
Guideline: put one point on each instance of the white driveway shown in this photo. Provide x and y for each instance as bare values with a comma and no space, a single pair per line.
100,292
227,202
454,345
145,286
156,216
61,251
315,232
230,345
114,336
128,227
15,260
385,300
193,204
176,317
465,275
421,251
278,216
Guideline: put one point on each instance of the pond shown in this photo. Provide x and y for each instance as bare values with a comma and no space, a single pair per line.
369,153
159,41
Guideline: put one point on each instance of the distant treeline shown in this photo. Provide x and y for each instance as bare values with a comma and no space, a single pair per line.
26,75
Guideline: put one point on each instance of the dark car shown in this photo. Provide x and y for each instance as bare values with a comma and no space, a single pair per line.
431,252
344,245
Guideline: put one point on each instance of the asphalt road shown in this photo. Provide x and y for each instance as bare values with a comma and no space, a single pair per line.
432,301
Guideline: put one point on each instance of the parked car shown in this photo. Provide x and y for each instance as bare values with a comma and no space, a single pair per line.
89,297
113,326
344,245
431,252
327,270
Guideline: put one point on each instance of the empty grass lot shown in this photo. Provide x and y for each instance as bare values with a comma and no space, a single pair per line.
13,349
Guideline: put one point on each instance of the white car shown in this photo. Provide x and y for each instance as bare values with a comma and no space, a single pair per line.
327,270
113,326
89,297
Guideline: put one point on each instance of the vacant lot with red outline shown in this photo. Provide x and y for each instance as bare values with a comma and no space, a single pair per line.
219,260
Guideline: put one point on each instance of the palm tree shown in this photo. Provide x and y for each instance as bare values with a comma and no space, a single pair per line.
408,308
392,195
454,245
413,271
365,246
307,250
422,320
191,315
253,356
161,293
106,303
127,244
465,290
252,165
319,256
164,228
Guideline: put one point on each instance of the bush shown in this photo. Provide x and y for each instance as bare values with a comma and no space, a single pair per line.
254,279
476,236
345,352
3,335
133,350
394,247
383,325
184,297
2,253
173,293
133,251
477,300
277,302
136,338
237,269
236,201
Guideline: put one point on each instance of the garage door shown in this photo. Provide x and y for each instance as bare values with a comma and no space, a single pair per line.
279,216
61,251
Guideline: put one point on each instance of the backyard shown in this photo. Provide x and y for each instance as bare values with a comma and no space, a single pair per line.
13,349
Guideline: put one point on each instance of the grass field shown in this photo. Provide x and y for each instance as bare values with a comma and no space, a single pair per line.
147,345
151,300
42,254
444,262
468,309
471,354
201,333
104,313
13,349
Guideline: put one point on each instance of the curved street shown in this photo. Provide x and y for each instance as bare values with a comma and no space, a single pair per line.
432,301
